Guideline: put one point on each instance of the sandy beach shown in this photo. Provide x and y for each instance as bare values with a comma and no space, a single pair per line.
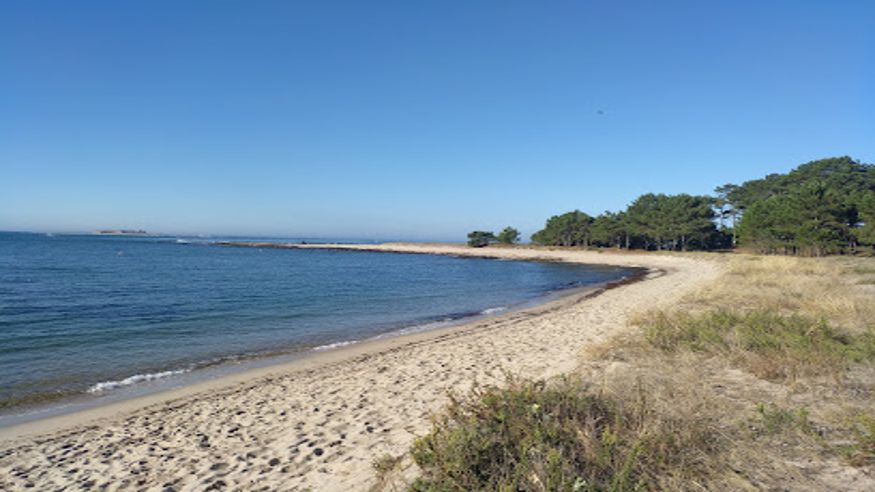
320,422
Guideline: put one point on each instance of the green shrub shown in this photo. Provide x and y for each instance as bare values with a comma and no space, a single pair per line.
535,436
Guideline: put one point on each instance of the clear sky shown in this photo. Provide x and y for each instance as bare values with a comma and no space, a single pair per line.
412,119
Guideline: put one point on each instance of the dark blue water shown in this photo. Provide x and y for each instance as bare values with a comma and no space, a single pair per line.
86,313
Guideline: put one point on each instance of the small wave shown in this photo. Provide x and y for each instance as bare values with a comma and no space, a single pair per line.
334,345
182,241
494,310
137,378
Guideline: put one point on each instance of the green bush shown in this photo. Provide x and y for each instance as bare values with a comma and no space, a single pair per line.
535,436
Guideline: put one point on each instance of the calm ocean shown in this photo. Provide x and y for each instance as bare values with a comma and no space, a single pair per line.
89,315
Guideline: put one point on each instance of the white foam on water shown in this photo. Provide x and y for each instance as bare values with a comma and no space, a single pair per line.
137,378
494,310
334,345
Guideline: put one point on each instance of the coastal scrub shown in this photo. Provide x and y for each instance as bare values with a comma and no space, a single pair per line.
562,435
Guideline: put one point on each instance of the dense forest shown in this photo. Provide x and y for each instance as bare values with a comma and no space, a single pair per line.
822,207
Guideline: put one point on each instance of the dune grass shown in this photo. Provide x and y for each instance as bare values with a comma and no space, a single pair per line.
772,346
820,288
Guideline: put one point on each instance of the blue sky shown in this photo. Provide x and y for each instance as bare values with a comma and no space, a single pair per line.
416,120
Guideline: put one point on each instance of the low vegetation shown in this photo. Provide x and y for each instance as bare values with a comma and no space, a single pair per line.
861,451
763,380
770,345
558,436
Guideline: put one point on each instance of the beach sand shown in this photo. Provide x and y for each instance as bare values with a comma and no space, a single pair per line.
320,422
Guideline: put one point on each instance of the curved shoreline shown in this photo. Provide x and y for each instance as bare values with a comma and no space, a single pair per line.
179,378
296,361
320,421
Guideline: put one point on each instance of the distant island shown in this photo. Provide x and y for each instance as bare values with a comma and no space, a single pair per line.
122,232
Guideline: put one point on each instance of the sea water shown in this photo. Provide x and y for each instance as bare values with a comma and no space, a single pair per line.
89,314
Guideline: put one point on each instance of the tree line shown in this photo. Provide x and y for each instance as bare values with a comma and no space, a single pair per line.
821,207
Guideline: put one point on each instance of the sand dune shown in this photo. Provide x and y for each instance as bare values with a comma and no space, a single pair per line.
320,422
